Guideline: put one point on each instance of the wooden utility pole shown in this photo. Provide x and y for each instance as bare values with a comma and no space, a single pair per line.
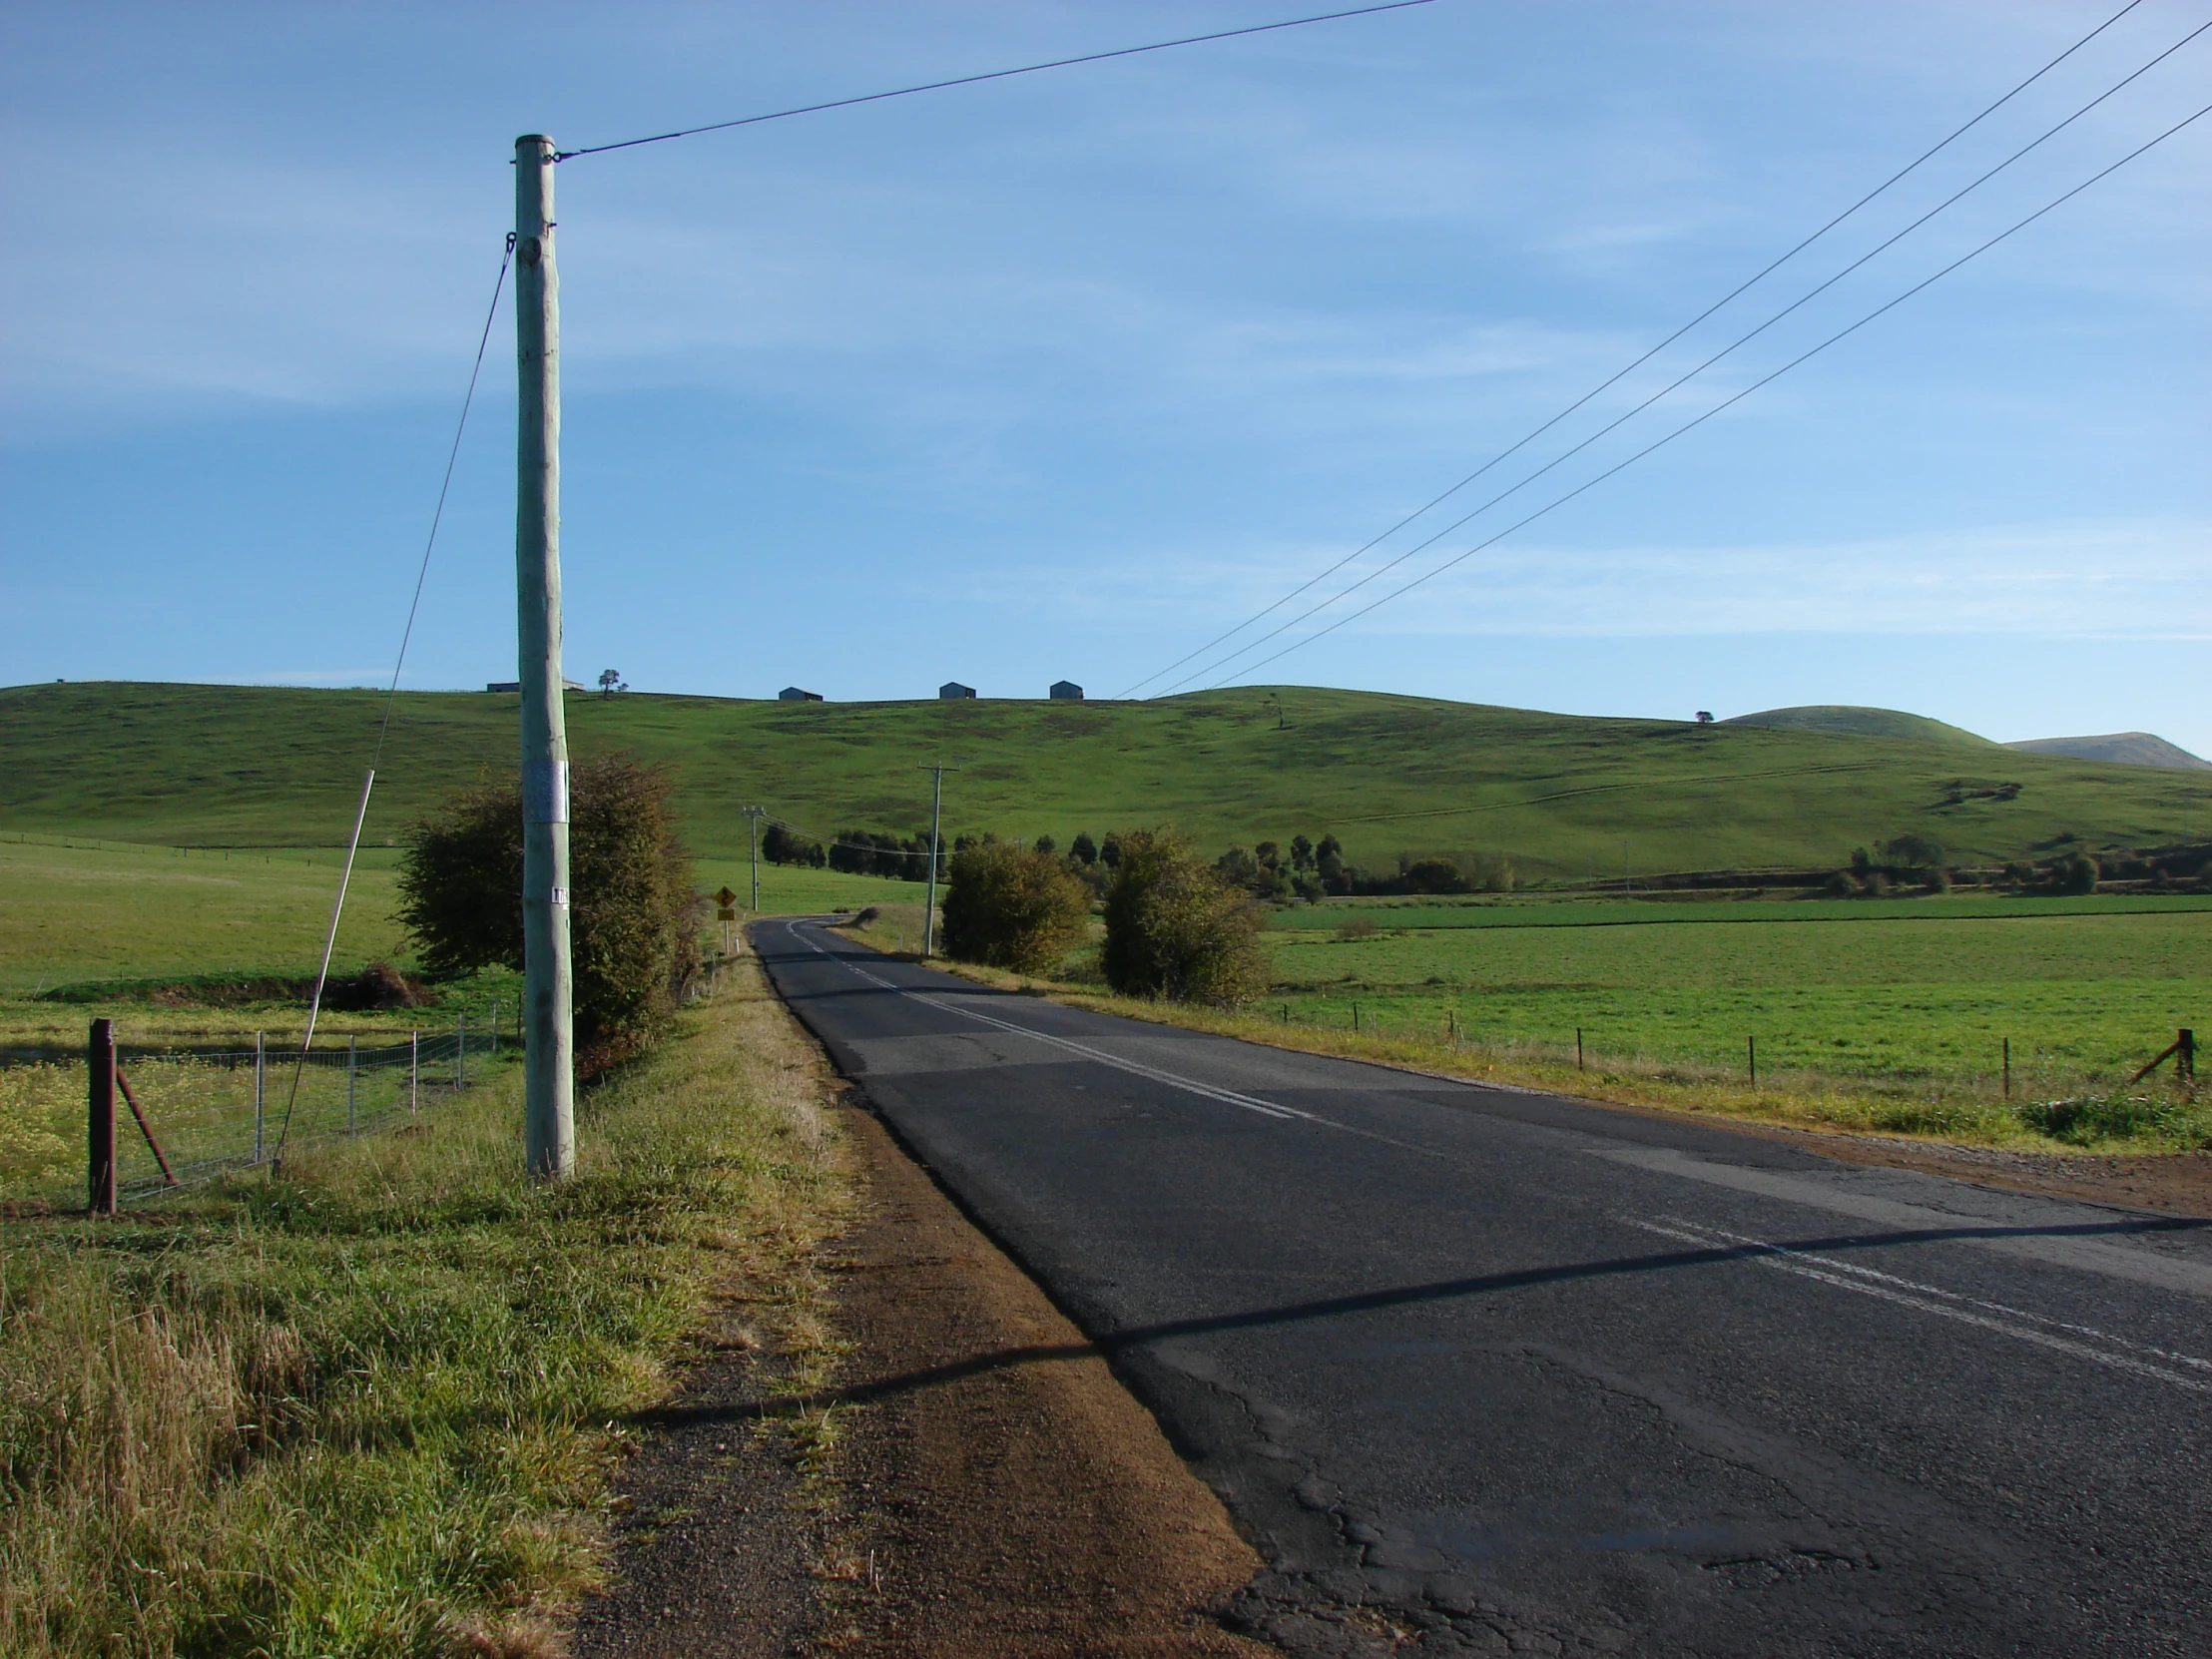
100,1119
549,1081
936,804
753,817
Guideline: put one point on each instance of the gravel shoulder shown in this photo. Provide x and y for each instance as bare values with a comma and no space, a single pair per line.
973,1483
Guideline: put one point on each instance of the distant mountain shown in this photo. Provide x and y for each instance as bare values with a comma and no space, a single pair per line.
1870,723
2129,749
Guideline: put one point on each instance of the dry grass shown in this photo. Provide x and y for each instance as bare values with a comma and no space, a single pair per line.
370,1408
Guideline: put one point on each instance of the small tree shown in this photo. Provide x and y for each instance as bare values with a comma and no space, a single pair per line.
1012,908
1435,875
1175,929
610,682
1083,849
633,914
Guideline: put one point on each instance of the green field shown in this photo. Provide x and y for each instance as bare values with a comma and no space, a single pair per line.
2085,995
212,766
1600,912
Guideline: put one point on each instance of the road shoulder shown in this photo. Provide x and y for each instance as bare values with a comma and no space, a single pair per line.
1005,1494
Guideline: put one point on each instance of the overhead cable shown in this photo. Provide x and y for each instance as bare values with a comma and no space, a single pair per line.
1672,385
990,74
383,726
1700,420
1615,378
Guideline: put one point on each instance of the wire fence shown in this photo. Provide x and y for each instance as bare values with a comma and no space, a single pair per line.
211,1112
185,1116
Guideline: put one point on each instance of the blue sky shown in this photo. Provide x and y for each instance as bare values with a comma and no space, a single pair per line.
1063,375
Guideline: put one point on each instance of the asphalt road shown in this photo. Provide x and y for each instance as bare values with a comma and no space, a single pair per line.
1491,1369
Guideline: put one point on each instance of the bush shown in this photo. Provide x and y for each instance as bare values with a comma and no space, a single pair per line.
1013,910
1175,929
633,915
2075,873
1433,875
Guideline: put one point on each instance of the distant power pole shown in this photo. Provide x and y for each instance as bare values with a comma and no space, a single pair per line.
753,817
936,804
549,1079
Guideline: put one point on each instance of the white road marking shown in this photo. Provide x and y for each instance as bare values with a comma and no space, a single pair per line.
1927,1299
1251,1103
2142,1267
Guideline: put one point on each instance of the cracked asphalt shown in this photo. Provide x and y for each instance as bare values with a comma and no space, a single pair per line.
1479,1370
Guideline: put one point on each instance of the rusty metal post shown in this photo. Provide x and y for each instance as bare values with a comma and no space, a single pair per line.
100,1118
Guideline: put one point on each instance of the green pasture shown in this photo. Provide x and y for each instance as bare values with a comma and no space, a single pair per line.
2084,997
267,766
70,912
114,914
1598,912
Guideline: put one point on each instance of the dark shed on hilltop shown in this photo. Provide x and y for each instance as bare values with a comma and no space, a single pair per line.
792,694
954,689
1065,690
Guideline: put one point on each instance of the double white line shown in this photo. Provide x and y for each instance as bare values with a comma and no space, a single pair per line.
2137,1358
1230,1097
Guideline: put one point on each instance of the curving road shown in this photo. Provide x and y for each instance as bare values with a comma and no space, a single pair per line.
1481,1370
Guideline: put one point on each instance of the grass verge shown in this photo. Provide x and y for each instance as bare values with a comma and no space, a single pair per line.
371,1409
2148,1117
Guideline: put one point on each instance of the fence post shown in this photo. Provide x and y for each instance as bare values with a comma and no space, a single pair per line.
260,1093
1451,1025
495,1026
1751,1060
100,1118
1578,1048
460,1051
2185,1055
1356,1017
415,1068
2009,1068
353,1076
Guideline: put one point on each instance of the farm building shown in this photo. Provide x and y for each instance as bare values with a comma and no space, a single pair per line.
792,694
952,689
1065,690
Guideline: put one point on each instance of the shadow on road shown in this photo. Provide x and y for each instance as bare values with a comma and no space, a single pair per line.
1403,1296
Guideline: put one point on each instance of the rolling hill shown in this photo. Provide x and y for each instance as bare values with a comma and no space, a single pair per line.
265,765
1866,723
2130,748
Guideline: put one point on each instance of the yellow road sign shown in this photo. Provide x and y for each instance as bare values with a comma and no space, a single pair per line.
726,912
725,898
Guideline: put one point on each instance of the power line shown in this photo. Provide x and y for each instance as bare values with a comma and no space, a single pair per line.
1603,385
383,726
1737,398
991,75
1673,385
437,515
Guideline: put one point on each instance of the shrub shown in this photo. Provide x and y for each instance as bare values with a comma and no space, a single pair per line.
633,915
1356,927
2075,873
1433,875
1014,910
1175,929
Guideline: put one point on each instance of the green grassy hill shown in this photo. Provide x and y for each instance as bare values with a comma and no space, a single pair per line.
1865,722
261,766
2135,748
